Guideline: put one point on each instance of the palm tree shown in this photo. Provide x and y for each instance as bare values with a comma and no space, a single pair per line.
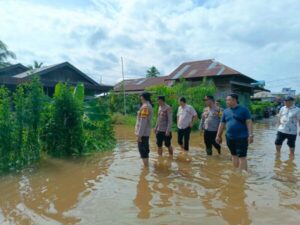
35,65
5,54
152,72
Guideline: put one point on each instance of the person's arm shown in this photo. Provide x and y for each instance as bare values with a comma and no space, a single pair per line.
169,127
177,118
195,117
299,120
278,117
201,125
143,123
250,130
156,124
221,129
220,133
249,124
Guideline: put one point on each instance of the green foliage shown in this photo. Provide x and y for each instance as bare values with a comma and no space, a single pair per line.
120,119
73,127
20,129
194,96
259,108
35,65
63,131
116,103
98,130
152,72
62,126
5,54
6,131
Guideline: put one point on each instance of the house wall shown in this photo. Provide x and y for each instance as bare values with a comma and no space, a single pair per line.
224,87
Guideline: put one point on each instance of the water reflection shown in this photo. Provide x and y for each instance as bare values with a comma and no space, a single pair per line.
161,183
235,210
143,195
287,175
203,190
46,197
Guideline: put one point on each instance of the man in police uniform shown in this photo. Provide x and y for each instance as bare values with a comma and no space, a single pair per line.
210,122
143,127
163,126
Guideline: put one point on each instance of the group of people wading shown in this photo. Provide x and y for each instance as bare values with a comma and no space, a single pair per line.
235,118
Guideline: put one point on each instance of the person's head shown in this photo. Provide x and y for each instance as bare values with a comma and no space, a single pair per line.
209,100
218,103
145,97
182,101
289,101
232,100
161,100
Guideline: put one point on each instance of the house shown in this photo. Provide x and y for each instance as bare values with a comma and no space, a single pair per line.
288,92
139,85
226,79
49,76
13,70
265,96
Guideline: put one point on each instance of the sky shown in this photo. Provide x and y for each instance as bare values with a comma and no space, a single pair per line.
258,38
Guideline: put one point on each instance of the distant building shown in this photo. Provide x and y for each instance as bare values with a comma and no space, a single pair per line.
14,75
226,79
288,92
139,85
265,96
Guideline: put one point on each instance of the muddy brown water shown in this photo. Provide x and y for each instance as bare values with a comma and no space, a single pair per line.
113,188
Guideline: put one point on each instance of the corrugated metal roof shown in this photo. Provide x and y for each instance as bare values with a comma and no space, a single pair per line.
33,71
202,68
140,84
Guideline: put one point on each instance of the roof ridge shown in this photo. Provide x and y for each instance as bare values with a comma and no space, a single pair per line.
197,61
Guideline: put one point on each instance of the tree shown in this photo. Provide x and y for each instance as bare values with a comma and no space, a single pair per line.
35,65
5,54
152,72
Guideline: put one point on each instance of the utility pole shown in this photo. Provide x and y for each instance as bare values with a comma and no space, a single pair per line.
124,94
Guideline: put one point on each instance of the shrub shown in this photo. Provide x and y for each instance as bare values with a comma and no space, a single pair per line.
259,108
63,129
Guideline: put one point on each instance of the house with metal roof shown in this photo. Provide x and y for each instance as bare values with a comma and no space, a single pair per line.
49,76
139,85
13,70
226,79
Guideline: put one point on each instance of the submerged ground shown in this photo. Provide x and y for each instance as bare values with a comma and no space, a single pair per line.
112,188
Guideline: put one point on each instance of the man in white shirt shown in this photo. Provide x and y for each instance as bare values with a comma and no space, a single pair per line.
186,117
288,119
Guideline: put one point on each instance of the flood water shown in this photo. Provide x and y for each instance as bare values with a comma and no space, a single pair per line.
113,188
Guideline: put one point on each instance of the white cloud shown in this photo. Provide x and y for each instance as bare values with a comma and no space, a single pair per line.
258,38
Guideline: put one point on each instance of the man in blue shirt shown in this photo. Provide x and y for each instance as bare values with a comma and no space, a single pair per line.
239,131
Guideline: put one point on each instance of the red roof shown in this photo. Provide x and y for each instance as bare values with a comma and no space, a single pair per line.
140,84
187,70
202,68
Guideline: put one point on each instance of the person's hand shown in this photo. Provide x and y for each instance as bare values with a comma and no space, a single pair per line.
250,140
191,125
167,134
139,139
219,140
